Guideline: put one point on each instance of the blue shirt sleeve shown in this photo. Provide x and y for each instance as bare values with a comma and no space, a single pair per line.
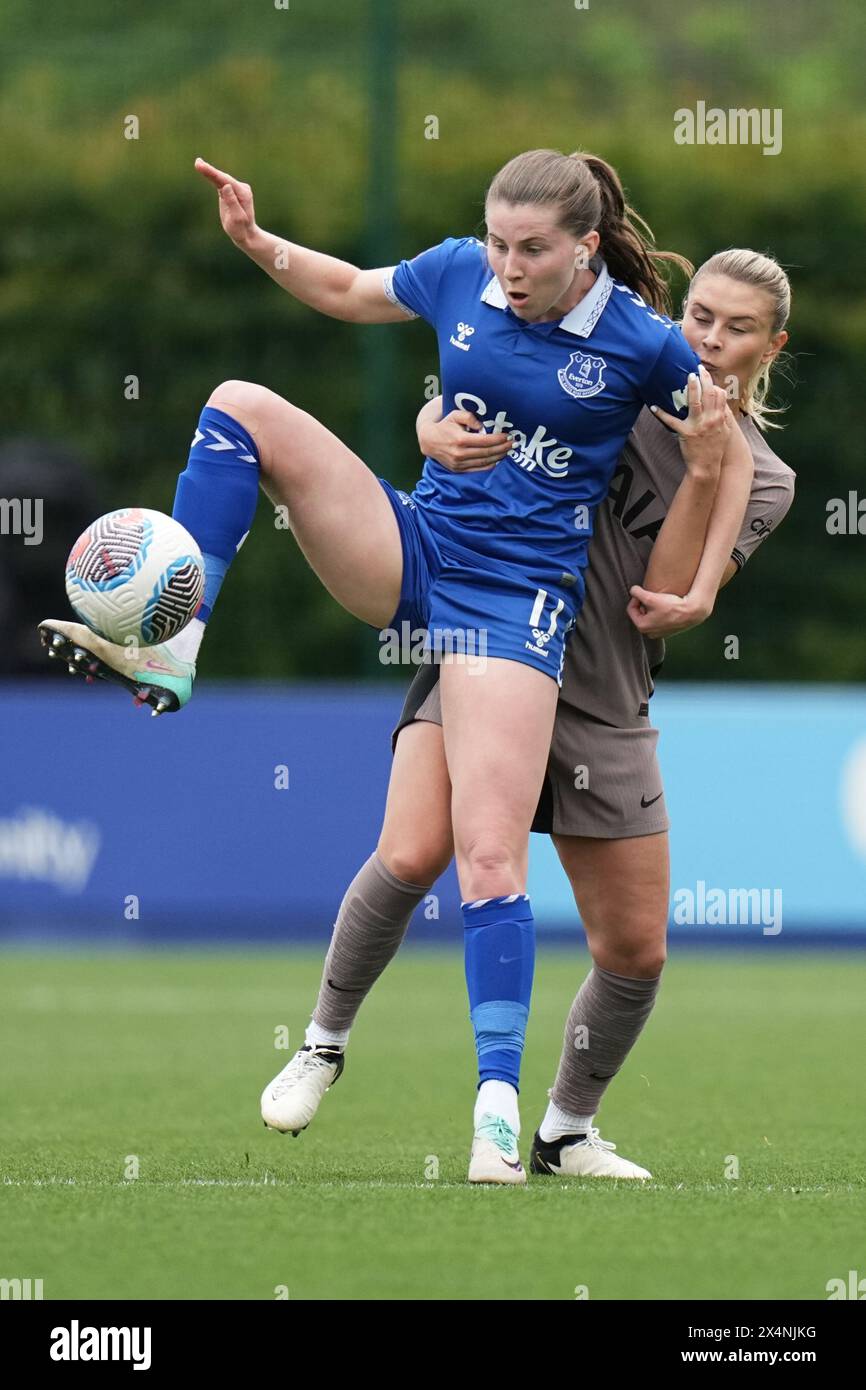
666,384
415,284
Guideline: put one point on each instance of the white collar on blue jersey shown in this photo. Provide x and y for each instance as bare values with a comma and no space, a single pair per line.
580,320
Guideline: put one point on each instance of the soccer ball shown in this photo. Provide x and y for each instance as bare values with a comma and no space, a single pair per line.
135,574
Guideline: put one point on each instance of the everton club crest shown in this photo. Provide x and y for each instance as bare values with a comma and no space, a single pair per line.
583,375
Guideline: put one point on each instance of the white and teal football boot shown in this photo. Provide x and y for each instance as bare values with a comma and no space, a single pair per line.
495,1157
152,674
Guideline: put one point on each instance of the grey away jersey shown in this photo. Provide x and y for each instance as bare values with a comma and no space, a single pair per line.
609,666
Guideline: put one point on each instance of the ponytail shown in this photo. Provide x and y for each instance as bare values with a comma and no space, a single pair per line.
627,242
590,197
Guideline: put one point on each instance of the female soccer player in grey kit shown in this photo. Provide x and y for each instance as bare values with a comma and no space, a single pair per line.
609,826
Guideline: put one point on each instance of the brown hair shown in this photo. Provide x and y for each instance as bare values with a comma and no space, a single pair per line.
764,273
591,198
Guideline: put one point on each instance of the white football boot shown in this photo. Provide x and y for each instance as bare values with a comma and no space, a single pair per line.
591,1157
494,1156
291,1100
151,674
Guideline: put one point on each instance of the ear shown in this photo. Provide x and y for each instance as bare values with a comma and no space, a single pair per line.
591,243
776,345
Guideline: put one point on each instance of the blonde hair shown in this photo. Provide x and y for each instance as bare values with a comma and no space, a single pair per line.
764,273
590,196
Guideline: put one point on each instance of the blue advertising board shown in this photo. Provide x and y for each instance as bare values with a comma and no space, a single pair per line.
244,818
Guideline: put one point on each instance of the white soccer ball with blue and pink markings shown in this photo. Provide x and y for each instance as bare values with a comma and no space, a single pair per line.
135,574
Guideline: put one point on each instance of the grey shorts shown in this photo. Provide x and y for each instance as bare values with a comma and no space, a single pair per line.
601,781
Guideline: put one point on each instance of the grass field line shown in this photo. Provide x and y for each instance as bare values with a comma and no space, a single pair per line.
370,1183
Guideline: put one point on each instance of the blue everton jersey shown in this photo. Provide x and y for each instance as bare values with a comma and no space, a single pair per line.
570,390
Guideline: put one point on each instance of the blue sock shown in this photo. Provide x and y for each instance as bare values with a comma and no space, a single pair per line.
217,494
499,938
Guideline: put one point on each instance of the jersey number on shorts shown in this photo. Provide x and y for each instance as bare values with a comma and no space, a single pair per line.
543,635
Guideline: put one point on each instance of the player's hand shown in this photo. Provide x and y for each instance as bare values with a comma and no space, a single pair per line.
460,442
663,615
706,429
237,213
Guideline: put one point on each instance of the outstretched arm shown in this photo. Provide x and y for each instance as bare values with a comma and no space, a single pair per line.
334,287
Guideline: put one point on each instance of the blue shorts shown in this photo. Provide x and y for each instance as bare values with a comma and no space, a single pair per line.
472,607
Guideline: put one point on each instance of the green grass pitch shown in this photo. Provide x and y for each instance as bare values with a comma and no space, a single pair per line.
154,1062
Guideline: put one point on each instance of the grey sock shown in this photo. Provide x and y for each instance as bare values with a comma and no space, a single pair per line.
370,926
602,1027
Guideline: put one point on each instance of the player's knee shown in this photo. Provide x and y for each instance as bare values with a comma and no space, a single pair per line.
237,394
249,404
487,853
638,959
648,964
420,862
490,867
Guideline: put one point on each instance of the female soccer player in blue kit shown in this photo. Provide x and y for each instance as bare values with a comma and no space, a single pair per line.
564,357
673,525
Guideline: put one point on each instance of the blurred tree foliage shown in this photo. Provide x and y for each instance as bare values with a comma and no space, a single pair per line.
113,263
